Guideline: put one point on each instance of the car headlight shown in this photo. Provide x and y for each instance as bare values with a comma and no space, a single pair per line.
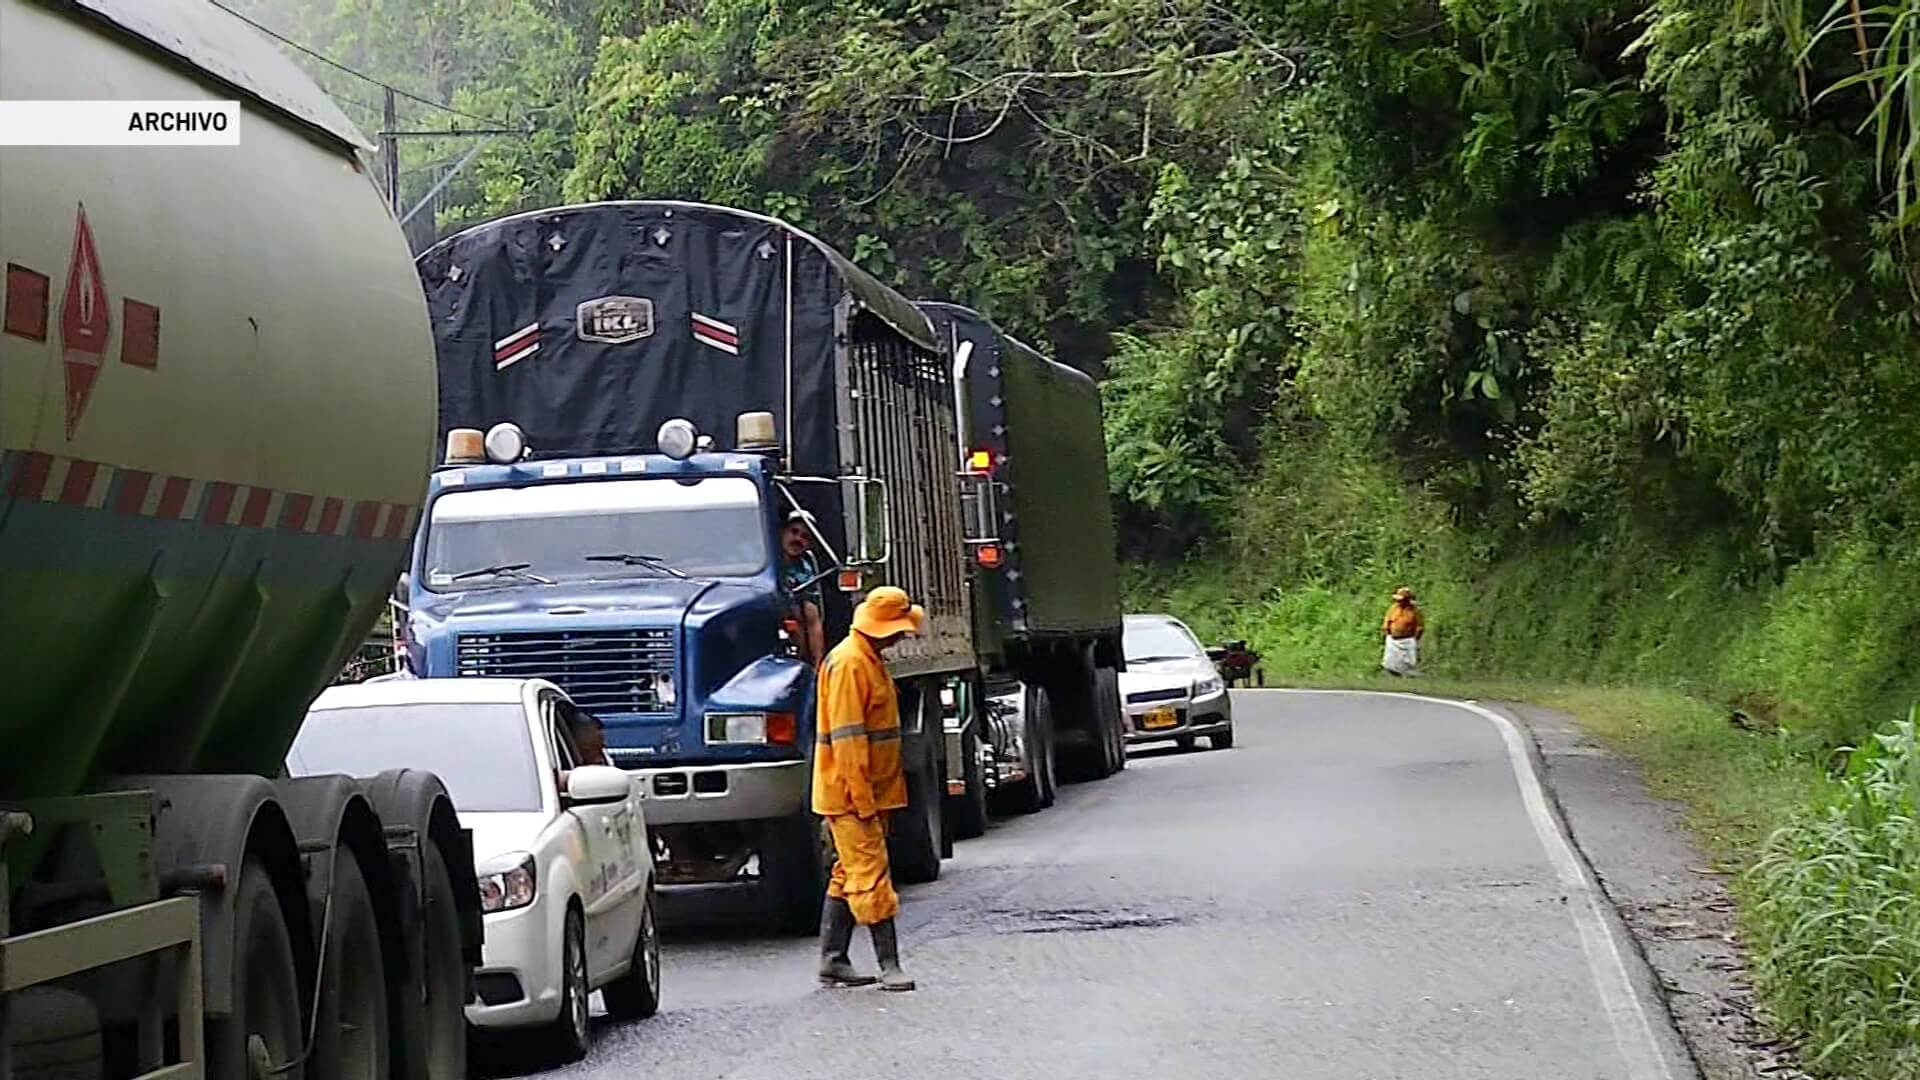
505,890
1209,686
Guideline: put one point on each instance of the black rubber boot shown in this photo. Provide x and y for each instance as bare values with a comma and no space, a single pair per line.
836,934
886,946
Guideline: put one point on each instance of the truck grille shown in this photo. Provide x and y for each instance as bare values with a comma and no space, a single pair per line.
611,671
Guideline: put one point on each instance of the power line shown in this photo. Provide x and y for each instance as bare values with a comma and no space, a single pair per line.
331,62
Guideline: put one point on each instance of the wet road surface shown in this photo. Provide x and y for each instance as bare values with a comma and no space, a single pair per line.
1357,890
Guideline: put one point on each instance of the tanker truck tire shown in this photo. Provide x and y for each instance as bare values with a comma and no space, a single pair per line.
443,1016
266,989
350,1032
54,1035
795,859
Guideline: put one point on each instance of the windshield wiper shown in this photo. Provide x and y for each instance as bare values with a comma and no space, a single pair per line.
1154,659
650,562
514,570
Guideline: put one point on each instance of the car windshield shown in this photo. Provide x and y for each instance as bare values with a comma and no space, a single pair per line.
1152,639
661,527
482,752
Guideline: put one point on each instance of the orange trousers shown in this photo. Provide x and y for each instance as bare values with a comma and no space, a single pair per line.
861,875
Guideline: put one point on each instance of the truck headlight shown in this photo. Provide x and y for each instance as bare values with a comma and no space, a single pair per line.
505,890
1208,686
754,728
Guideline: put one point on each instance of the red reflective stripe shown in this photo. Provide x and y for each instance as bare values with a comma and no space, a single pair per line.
329,517
30,478
133,492
219,501
172,497
364,519
79,483
255,513
294,517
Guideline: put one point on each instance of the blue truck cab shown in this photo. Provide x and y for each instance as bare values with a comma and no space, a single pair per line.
648,588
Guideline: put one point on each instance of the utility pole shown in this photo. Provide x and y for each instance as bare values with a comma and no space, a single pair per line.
390,150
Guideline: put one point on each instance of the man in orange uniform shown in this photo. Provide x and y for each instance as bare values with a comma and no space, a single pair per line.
857,781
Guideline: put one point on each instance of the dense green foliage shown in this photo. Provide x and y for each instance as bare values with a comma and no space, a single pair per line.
1838,915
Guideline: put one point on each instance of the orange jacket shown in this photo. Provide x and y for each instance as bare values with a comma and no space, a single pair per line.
856,754
1403,621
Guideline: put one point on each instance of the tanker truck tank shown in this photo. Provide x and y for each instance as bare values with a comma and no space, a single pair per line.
216,418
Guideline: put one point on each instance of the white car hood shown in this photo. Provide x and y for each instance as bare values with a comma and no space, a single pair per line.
499,835
1163,675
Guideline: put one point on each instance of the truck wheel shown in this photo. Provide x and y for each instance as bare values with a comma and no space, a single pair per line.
1106,683
54,1035
795,856
636,995
569,1037
968,810
350,1032
1046,755
914,844
266,990
1028,794
443,1016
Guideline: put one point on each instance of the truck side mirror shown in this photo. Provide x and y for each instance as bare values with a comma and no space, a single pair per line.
869,535
401,587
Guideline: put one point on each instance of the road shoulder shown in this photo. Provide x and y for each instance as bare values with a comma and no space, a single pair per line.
1678,911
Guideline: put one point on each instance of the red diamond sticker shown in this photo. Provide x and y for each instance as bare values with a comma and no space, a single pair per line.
85,321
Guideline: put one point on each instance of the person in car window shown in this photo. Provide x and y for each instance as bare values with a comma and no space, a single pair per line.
857,782
589,738
799,575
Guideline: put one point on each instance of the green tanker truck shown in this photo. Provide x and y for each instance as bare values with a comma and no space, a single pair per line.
216,418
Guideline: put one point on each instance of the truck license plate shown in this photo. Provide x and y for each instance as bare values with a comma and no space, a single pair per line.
1161,718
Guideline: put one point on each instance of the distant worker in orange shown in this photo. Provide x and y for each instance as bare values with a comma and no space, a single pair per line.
857,782
1404,627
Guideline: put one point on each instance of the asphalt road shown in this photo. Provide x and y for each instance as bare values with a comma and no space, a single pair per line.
1364,888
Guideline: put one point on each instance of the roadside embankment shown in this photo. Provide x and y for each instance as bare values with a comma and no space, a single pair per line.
1741,695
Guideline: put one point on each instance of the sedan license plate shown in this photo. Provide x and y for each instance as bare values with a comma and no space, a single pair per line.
1161,718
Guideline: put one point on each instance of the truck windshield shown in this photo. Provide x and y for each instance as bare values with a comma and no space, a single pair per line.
482,752
598,530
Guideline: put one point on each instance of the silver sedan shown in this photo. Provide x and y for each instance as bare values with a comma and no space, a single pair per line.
1171,690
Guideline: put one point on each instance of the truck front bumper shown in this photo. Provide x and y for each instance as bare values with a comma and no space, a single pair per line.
691,794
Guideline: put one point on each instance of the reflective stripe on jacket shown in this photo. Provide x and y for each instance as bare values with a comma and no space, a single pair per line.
856,755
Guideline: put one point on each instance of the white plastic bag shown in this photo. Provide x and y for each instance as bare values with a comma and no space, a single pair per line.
1402,656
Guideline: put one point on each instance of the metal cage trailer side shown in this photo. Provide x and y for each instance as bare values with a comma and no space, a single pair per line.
1044,570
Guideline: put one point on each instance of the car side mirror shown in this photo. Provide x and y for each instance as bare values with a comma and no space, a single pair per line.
598,785
1216,654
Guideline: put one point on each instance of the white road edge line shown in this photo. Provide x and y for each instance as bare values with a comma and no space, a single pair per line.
1640,1049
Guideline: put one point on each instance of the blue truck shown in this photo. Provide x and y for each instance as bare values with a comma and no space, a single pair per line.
637,399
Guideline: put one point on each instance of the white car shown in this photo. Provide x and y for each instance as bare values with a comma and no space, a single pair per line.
566,872
1171,690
